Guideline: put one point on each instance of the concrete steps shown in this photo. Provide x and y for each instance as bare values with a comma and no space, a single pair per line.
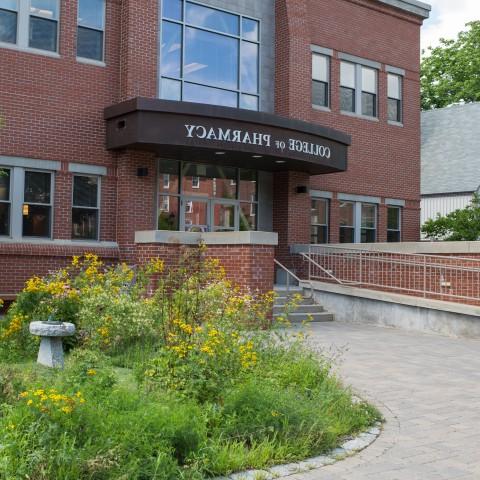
306,311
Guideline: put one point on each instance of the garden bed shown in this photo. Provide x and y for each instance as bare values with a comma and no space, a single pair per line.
190,382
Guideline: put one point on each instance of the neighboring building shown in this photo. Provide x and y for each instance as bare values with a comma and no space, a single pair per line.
450,158
124,124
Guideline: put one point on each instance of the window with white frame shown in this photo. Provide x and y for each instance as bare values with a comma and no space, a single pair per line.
209,55
91,29
358,222
30,23
320,80
394,224
195,182
394,98
358,89
166,181
85,207
5,201
319,221
37,204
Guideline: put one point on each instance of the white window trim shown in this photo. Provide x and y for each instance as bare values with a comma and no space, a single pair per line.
91,61
398,123
316,106
196,183
97,208
23,26
357,216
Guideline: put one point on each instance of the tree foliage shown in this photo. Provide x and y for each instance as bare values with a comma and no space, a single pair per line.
459,225
451,71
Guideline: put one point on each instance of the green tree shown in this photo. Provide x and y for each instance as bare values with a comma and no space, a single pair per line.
451,71
459,225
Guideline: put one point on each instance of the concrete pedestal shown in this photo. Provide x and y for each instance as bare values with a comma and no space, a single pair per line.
51,345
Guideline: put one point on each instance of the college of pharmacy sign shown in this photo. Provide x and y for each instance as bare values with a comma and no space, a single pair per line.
235,137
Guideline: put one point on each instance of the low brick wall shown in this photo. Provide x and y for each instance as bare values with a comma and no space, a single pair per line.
19,262
248,266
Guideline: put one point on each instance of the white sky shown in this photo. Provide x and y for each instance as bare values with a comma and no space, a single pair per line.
447,19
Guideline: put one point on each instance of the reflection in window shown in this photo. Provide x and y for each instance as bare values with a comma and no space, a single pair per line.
394,222
91,26
209,56
168,216
37,207
8,20
319,221
85,208
43,30
347,222
369,223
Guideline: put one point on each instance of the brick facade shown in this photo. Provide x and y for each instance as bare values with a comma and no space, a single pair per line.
51,108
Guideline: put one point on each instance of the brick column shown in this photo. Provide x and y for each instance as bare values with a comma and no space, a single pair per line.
62,214
382,223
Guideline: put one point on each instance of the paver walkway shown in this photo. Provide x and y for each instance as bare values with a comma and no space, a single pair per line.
428,388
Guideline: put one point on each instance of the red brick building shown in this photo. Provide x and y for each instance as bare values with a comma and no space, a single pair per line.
132,128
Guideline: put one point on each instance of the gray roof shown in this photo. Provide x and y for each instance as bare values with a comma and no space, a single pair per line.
451,149
412,6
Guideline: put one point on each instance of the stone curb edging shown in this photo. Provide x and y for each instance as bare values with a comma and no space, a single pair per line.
347,449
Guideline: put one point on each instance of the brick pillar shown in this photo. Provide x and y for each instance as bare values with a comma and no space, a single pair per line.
139,49
135,200
291,212
382,223
62,215
334,223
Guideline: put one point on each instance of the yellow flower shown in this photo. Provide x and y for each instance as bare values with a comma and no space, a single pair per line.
30,402
24,394
91,372
11,426
75,261
67,410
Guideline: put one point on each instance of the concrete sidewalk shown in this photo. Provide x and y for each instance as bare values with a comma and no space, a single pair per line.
427,387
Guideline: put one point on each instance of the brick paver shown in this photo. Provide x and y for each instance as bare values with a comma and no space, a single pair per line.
427,387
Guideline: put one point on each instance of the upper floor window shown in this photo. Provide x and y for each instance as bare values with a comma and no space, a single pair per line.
209,56
30,23
358,89
394,98
320,80
91,27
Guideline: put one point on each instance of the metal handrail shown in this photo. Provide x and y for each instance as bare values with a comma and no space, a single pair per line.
291,274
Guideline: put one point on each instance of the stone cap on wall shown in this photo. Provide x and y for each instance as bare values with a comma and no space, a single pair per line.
208,238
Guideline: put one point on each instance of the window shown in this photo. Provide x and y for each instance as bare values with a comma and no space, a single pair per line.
347,222
394,222
195,182
394,98
166,181
37,204
85,208
320,80
189,207
319,221
358,222
358,89
30,23
43,32
209,56
8,21
5,201
91,27
369,223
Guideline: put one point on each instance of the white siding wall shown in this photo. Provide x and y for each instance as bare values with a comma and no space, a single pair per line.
443,205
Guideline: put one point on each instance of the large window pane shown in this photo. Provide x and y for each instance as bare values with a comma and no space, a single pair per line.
90,43
196,216
91,13
8,26
347,214
320,68
36,221
347,75
212,96
394,86
319,212
320,93
171,50
347,99
85,191
211,59
248,185
37,187
369,216
43,34
248,217
394,110
250,29
249,67
84,224
369,80
168,213
223,217
172,9
213,19
4,219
